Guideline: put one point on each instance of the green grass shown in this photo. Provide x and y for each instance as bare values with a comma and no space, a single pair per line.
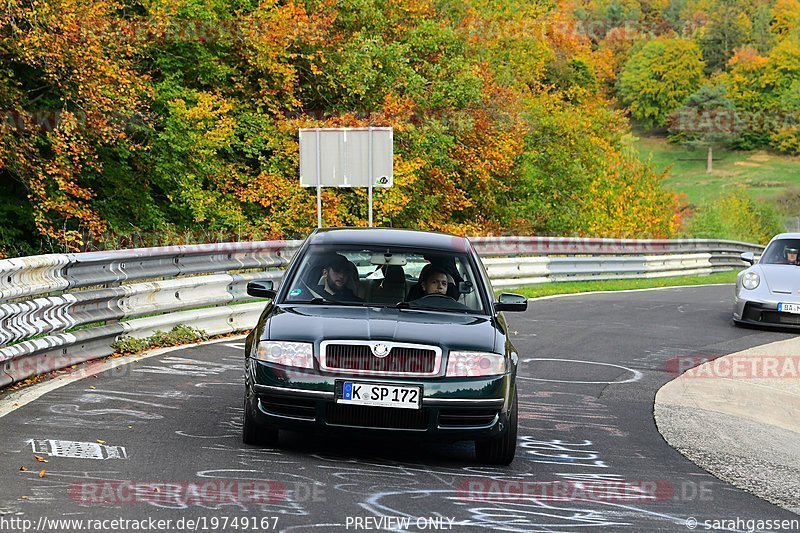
763,174
568,287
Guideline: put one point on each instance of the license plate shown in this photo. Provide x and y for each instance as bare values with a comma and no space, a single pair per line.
403,397
789,308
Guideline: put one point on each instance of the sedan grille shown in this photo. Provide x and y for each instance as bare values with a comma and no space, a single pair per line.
455,418
289,407
401,360
376,417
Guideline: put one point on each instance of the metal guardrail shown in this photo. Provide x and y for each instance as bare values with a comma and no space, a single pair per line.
61,309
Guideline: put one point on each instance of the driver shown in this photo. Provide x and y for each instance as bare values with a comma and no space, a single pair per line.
790,255
335,276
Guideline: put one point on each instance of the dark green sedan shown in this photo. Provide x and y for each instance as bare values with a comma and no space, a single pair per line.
384,331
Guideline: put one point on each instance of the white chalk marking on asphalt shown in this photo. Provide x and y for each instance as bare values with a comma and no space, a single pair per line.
589,293
77,450
184,434
636,374
235,345
15,400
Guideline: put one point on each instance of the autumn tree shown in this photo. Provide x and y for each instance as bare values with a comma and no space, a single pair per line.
783,76
182,116
728,28
72,86
707,119
659,77
785,16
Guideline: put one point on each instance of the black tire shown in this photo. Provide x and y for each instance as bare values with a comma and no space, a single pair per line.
255,432
500,450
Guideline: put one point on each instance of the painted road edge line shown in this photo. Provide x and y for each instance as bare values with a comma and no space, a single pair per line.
588,293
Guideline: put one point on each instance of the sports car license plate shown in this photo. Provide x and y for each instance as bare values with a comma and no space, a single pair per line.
378,395
789,308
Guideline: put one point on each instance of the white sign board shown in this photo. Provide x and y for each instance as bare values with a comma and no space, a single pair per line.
346,157
77,450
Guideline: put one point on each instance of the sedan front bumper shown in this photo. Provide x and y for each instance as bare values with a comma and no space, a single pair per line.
452,408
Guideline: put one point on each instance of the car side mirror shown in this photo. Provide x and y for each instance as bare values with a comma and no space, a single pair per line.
261,289
508,301
748,257
465,287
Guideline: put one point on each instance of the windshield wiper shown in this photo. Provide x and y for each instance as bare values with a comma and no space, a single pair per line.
407,305
320,300
315,300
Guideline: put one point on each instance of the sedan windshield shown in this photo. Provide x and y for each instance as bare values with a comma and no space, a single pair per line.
782,252
386,277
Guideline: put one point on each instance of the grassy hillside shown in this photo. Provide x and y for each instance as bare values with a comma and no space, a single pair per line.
766,176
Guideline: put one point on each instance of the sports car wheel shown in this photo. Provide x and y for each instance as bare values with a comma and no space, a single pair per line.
500,450
255,432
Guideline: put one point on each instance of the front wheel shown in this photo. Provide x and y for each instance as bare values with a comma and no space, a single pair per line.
255,432
500,450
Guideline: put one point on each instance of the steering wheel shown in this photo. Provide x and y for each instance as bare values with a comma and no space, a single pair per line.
436,297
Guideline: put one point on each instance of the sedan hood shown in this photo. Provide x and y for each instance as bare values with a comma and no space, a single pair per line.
780,279
447,330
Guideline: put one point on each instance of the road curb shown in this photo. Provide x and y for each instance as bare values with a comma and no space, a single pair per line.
739,419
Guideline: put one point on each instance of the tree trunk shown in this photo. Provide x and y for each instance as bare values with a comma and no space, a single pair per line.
710,165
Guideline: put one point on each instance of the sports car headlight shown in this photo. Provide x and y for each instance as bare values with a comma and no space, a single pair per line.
750,280
474,364
295,354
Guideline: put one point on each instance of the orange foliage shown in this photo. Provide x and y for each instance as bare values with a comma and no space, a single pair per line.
76,49
618,205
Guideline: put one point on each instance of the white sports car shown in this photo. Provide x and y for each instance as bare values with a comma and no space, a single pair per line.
768,292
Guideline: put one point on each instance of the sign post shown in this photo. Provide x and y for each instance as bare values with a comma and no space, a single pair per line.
319,184
346,157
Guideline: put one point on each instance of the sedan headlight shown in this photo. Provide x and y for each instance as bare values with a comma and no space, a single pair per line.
475,364
294,354
750,280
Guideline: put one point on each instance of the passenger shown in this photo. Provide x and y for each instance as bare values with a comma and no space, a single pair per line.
433,280
336,275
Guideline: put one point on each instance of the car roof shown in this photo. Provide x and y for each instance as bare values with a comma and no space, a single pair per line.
786,236
389,237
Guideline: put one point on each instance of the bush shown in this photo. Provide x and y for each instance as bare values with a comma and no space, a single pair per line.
128,345
787,139
789,201
735,216
180,334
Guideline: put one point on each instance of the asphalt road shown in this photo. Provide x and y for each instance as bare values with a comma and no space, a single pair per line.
159,439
